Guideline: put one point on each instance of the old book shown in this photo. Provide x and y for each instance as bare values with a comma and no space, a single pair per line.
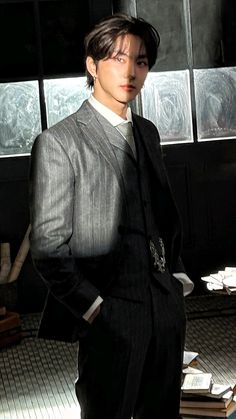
218,390
206,401
10,329
197,383
190,358
222,281
232,416
201,413
192,370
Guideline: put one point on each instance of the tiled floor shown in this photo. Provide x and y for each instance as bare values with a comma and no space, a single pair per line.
211,331
37,377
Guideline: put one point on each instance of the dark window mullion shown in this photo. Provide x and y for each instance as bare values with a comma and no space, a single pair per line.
40,65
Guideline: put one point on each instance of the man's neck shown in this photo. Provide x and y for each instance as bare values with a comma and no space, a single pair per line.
111,116
115,106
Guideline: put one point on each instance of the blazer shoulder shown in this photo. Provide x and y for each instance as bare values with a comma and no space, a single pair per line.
65,124
71,122
147,129
145,123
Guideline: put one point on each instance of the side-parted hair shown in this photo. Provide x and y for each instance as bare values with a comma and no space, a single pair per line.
100,41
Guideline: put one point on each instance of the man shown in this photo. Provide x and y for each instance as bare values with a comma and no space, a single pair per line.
106,236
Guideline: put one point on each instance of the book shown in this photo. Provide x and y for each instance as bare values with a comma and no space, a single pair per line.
197,383
201,413
10,329
191,370
190,358
206,401
219,390
232,416
224,281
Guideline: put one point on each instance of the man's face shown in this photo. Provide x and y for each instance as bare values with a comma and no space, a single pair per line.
120,78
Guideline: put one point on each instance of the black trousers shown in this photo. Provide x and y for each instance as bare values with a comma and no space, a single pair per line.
130,362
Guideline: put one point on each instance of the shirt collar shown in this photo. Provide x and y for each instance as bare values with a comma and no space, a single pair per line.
111,116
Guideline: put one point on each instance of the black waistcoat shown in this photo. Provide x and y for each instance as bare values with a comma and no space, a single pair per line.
135,268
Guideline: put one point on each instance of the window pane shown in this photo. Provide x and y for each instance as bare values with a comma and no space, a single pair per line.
215,92
63,27
206,33
19,117
166,102
63,97
18,41
167,16
214,33
229,32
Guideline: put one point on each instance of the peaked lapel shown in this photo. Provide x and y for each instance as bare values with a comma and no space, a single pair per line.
146,132
101,133
114,136
168,213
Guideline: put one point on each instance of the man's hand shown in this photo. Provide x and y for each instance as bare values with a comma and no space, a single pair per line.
94,314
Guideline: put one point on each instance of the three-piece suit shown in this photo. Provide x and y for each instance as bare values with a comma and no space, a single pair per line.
97,213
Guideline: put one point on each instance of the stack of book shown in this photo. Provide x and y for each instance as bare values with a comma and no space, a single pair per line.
190,359
221,281
10,328
202,398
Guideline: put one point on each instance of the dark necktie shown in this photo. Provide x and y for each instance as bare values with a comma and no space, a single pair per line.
126,130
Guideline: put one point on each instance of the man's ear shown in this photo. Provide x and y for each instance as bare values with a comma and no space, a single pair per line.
91,66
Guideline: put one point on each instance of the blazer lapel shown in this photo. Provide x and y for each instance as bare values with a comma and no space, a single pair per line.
98,131
114,137
143,131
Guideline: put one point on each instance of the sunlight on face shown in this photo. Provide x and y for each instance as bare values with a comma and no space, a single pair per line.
120,77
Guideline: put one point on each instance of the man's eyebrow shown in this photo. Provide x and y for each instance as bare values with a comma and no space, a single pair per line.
142,56
120,52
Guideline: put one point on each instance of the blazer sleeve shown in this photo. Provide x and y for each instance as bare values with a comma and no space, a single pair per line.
51,213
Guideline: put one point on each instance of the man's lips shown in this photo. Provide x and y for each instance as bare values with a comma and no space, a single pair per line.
128,87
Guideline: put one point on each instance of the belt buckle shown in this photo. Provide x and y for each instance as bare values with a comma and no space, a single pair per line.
158,257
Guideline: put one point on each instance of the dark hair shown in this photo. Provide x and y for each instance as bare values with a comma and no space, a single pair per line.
100,42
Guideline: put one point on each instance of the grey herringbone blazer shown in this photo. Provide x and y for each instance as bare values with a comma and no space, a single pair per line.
77,201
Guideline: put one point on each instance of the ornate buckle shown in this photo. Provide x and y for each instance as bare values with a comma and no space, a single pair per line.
158,255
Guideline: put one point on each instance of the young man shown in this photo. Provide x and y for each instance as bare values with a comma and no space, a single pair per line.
106,236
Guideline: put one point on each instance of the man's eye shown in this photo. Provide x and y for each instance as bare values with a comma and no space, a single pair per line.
119,59
142,63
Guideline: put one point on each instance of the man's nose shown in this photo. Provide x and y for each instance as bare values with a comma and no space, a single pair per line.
130,69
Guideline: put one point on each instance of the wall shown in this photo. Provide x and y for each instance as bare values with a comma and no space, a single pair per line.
202,174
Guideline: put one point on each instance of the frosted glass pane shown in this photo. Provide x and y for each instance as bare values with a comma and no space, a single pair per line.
63,97
166,102
215,93
20,119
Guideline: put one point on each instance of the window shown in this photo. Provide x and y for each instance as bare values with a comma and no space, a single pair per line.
189,94
194,79
42,66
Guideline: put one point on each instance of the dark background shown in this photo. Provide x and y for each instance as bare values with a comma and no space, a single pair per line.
44,38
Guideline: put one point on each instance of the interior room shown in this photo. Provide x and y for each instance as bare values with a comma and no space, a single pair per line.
190,95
